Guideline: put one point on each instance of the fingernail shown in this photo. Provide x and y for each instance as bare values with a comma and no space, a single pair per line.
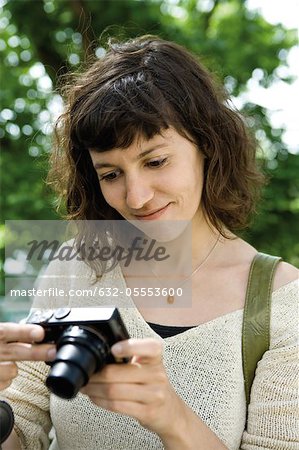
35,335
117,348
51,353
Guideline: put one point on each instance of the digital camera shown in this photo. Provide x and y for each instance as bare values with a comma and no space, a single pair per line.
83,338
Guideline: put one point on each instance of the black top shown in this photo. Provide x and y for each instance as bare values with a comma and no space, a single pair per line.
167,331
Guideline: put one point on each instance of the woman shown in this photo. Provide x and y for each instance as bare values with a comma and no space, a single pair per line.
148,138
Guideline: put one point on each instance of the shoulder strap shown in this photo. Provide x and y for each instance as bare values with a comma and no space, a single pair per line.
256,318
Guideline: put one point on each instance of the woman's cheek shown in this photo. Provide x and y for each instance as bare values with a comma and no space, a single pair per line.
112,196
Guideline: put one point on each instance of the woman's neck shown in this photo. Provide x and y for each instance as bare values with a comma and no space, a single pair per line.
180,257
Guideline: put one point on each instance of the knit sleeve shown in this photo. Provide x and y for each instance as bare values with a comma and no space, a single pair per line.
29,398
273,421
28,394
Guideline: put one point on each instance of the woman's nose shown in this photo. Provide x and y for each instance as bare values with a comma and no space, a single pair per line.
138,192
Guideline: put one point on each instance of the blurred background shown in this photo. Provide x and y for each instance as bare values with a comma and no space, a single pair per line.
251,46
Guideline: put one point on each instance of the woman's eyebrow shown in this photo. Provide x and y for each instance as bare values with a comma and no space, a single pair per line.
141,155
100,165
145,152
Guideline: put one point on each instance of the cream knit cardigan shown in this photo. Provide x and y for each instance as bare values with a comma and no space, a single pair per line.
204,364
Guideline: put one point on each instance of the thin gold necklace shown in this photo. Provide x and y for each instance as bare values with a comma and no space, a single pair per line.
170,298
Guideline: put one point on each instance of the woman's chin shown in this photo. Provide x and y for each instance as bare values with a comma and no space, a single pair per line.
163,230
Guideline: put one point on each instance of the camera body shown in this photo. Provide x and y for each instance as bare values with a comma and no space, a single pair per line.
83,337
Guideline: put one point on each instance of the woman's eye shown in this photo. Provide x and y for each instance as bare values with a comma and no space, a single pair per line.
157,162
109,177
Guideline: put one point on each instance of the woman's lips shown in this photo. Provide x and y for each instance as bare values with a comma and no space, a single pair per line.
154,215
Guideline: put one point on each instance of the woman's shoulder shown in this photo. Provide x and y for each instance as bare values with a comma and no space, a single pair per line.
245,253
285,274
284,307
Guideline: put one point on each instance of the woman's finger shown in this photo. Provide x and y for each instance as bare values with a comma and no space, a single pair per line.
27,352
14,332
129,373
5,384
8,371
145,351
121,391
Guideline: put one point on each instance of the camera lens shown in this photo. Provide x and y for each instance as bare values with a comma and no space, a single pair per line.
71,370
81,352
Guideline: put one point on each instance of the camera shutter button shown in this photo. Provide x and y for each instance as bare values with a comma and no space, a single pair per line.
61,313
41,316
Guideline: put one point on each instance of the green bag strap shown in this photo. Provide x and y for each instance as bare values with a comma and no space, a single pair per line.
256,318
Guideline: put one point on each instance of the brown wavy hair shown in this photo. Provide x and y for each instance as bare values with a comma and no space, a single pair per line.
139,88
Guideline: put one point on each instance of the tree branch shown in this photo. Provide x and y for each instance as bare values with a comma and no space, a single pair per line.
208,15
38,27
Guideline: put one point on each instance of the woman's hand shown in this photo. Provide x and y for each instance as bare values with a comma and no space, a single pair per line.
17,344
140,389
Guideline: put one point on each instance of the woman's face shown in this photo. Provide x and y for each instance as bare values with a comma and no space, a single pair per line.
153,180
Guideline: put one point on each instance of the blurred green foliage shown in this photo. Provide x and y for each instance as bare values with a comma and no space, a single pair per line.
44,39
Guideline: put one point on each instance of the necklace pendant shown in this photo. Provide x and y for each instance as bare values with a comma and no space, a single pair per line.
170,299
